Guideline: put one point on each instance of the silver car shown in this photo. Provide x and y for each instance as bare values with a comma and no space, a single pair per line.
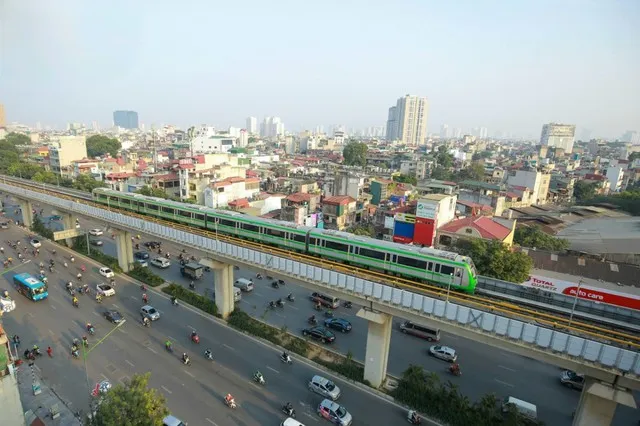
148,311
334,412
444,353
324,387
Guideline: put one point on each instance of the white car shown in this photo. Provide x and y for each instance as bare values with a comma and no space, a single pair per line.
35,243
444,353
105,290
96,232
161,262
106,272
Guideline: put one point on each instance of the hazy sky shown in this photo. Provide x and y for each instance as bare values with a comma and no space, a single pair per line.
509,65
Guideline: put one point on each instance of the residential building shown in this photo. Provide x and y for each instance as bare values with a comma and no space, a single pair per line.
346,183
380,190
252,125
432,211
533,179
3,118
212,144
615,177
271,127
66,150
301,209
434,186
125,119
12,408
559,136
408,121
602,186
338,212
219,194
484,227
243,138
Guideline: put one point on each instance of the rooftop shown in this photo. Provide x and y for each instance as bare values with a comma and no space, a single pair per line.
435,197
339,199
487,227
604,235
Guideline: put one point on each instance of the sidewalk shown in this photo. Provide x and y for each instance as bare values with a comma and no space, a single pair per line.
37,408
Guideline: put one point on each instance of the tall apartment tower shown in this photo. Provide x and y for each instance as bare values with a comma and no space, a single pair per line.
407,121
252,125
3,120
125,119
558,136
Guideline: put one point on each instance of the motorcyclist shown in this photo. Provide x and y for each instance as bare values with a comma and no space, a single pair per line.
185,358
279,302
455,368
257,376
85,341
208,354
413,417
79,276
174,300
312,319
285,356
289,407
98,297
228,399
75,300
36,349
290,296
90,328
194,335
146,322
167,344
145,298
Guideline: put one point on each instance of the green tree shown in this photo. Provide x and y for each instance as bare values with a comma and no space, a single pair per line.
252,139
152,192
355,154
364,230
494,259
133,403
633,156
583,190
99,145
440,173
17,139
474,172
23,170
533,237
412,180
628,201
443,158
87,183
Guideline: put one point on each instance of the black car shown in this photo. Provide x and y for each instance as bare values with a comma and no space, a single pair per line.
339,324
96,243
113,316
320,333
152,245
141,255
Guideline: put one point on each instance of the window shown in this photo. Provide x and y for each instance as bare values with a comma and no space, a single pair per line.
336,246
124,201
274,232
200,217
430,266
298,238
374,254
447,270
151,207
225,222
167,210
414,263
185,213
249,227
468,230
313,241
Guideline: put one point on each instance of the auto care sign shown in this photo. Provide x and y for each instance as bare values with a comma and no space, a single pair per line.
601,295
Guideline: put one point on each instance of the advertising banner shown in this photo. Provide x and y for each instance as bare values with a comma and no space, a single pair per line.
426,210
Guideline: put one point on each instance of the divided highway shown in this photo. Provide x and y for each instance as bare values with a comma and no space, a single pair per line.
485,369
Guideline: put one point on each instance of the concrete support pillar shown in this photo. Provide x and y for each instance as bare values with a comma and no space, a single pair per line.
124,248
223,285
598,403
68,222
27,212
378,342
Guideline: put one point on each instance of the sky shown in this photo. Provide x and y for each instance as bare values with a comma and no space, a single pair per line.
510,65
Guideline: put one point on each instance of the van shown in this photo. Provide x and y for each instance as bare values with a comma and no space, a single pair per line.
244,284
328,301
526,409
172,421
291,422
424,332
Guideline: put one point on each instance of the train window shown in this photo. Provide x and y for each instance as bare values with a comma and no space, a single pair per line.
313,241
274,232
336,246
151,207
185,213
437,268
250,227
430,266
374,254
447,270
414,263
124,201
299,238
200,217
224,222
167,210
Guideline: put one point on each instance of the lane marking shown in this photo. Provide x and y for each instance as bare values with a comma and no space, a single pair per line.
53,307
51,332
314,418
134,298
172,338
29,314
293,307
152,350
189,374
104,377
95,313
273,369
166,390
228,347
210,421
507,368
281,316
504,383
116,306
129,362
188,326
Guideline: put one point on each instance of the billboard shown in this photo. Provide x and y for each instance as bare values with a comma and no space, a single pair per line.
403,217
427,210
601,295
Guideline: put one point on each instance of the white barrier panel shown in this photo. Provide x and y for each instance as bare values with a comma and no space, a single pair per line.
511,329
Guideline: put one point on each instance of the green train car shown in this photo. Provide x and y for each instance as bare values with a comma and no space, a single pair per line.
423,264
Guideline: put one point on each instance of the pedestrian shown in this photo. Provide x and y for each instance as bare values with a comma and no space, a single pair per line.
50,352
16,340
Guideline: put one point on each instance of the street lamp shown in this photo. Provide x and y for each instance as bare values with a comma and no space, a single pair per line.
85,354
449,286
575,301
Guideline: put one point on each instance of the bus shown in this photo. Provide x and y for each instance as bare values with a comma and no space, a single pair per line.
30,287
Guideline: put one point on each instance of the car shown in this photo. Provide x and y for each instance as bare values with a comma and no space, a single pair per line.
324,387
55,217
105,290
572,379
172,421
96,243
148,311
106,272
334,412
161,262
319,333
4,225
35,243
339,324
113,316
444,353
152,245
141,257
96,232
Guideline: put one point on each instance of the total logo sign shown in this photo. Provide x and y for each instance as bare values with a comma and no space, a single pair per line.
601,295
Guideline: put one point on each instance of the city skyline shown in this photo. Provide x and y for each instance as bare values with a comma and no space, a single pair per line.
511,67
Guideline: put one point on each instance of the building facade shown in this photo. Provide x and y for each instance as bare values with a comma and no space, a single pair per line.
537,182
407,121
558,136
125,119
67,150
252,125
3,119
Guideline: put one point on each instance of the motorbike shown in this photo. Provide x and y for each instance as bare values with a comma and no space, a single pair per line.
192,285
208,355
230,403
281,282
275,284
455,371
75,353
272,305
146,323
317,307
207,269
174,301
195,338
76,304
286,360
348,304
328,314
312,321
280,303
186,361
169,348
259,276
289,411
413,418
259,378
291,298
91,330
143,287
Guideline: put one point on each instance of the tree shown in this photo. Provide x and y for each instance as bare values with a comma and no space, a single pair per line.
17,139
355,154
152,192
364,230
494,259
412,180
634,156
583,190
628,201
23,170
87,183
533,237
474,172
252,139
440,173
443,158
133,403
99,145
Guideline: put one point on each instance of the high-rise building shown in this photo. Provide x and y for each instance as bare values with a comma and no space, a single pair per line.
558,136
445,131
271,127
252,125
407,121
125,119
3,122
483,133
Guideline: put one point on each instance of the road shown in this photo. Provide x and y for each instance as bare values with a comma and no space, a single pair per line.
485,370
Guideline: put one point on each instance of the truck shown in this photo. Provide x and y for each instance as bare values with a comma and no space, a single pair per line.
192,270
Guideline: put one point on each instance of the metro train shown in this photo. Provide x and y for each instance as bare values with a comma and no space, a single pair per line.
423,264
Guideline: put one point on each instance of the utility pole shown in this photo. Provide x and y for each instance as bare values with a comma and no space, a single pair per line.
155,152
